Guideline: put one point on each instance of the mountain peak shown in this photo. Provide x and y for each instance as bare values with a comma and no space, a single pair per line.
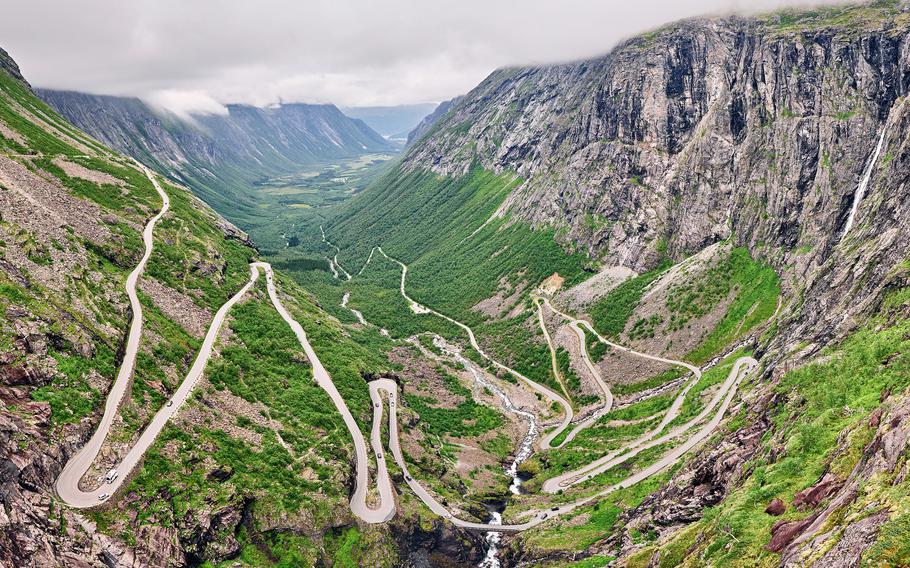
8,64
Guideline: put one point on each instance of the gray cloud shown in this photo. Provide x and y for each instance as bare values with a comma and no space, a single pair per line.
189,54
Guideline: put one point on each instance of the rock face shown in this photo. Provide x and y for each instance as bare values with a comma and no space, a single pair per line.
61,318
10,66
884,455
776,507
757,130
431,119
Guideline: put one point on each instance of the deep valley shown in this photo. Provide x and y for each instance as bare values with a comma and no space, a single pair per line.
647,309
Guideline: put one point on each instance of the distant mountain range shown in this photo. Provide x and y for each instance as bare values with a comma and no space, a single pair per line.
393,122
221,156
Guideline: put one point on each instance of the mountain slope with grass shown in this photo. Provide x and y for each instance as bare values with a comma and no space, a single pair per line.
697,191
222,157
255,468
706,193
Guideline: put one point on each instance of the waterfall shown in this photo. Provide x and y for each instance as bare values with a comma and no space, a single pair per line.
864,183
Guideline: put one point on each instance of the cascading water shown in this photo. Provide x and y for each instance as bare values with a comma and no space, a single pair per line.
863,183
491,560
357,313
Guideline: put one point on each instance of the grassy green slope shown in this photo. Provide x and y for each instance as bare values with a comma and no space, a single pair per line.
442,228
821,425
261,364
427,221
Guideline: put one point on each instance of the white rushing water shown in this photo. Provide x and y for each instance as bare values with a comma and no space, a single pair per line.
491,560
357,313
864,183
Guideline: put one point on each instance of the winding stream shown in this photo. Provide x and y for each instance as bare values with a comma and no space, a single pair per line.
357,313
525,448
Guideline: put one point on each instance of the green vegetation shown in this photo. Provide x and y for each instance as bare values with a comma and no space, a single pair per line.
467,419
664,377
571,378
264,365
696,399
197,258
599,439
600,519
850,17
376,294
71,398
520,345
209,462
892,548
430,221
303,408
287,205
645,328
757,289
596,348
501,446
612,312
108,196
823,421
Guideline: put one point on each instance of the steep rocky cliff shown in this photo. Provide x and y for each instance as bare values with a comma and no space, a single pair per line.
757,129
10,66
785,134
431,119
255,469
783,138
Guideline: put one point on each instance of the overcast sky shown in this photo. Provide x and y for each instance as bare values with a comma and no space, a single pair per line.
196,54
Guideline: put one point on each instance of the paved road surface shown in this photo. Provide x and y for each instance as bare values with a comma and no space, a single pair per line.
554,364
68,482
545,392
595,372
387,386
359,506
67,485
727,391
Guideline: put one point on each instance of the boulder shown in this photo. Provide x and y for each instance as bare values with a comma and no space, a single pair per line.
776,507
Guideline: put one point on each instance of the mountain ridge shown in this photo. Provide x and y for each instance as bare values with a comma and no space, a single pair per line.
690,196
221,156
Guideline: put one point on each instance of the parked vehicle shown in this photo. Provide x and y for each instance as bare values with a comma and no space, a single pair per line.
111,476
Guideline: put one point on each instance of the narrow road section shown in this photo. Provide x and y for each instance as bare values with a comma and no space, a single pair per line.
741,368
359,506
721,401
68,482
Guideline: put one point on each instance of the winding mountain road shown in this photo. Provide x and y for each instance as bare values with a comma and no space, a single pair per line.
68,482
592,368
554,363
67,485
387,386
359,505
537,387
721,400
